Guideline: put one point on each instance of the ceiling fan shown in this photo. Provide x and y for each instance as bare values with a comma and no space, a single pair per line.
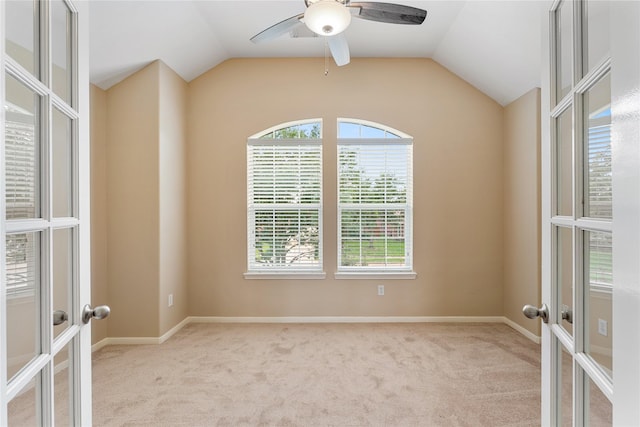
329,18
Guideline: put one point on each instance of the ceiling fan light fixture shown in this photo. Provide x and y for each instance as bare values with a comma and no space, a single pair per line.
327,17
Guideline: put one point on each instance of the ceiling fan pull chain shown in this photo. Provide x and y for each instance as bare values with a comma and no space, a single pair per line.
326,66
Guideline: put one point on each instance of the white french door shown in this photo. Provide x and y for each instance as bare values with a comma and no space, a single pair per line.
591,213
45,345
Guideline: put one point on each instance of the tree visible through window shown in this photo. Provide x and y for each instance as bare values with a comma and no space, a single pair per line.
284,168
375,181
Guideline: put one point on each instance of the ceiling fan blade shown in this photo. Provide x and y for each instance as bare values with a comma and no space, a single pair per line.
339,49
278,29
389,12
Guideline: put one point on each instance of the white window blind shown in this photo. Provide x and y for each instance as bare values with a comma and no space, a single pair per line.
598,204
21,196
22,260
21,174
598,260
599,189
284,179
375,180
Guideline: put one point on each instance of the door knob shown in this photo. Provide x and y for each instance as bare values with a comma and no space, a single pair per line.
532,312
59,317
567,315
100,312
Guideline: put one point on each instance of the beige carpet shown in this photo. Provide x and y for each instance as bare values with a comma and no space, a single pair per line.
322,375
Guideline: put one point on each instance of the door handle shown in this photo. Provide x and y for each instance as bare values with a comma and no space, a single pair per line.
532,312
59,317
98,313
567,315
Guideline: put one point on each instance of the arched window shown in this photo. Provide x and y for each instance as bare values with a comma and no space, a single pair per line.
375,198
284,199
303,129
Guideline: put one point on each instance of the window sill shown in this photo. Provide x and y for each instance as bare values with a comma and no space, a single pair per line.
383,275
280,275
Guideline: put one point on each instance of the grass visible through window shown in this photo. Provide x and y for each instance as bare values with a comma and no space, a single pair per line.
372,252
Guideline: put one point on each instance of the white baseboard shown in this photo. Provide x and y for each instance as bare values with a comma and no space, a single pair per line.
171,332
140,340
100,344
313,319
350,319
533,337
130,341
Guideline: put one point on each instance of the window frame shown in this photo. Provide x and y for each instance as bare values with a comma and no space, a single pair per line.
391,137
268,138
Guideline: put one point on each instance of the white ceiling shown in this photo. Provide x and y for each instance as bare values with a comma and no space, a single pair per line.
494,45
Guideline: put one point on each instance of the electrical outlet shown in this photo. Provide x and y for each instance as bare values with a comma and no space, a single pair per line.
170,300
602,327
380,290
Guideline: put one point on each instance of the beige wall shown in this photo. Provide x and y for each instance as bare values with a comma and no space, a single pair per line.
521,209
458,172
173,198
99,208
139,203
133,217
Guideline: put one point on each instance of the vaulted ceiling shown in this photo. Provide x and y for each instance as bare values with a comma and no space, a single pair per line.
493,45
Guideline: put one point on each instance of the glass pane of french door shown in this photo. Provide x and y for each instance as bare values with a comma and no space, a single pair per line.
565,275
61,50
23,409
41,219
598,307
563,49
581,220
63,276
63,386
23,300
596,34
597,150
598,409
22,149
22,34
62,164
564,385
564,163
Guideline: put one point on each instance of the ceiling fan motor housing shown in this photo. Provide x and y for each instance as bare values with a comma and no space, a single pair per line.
327,17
